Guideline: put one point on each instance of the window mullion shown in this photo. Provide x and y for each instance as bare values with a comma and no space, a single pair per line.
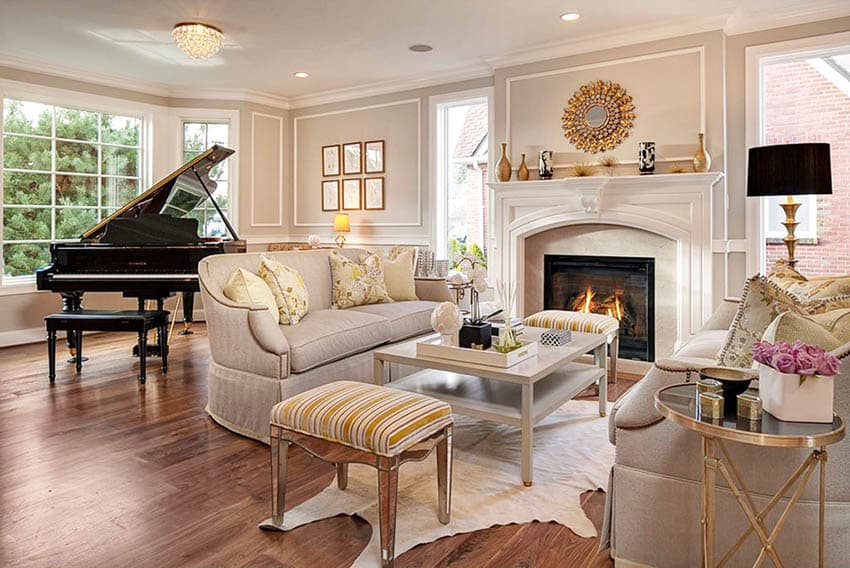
53,173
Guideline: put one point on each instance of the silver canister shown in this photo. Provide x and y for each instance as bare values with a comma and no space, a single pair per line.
749,406
711,406
709,385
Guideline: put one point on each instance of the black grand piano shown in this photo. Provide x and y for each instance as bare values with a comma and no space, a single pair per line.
148,249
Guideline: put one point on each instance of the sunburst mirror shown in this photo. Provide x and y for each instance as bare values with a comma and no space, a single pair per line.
598,116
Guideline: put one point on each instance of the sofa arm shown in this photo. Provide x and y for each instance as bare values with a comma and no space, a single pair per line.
723,315
636,408
434,290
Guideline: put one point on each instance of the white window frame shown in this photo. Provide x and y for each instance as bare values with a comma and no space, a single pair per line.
756,58
149,115
220,116
438,105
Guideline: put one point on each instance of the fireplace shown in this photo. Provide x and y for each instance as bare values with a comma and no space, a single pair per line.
622,287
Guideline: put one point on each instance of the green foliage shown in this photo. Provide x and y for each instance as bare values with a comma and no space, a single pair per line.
459,248
21,259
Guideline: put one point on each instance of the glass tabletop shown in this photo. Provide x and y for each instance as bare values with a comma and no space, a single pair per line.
679,404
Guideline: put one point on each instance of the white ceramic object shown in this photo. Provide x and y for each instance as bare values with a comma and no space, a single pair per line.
786,399
446,319
315,241
457,278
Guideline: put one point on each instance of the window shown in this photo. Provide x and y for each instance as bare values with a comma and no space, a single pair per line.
197,137
462,156
64,169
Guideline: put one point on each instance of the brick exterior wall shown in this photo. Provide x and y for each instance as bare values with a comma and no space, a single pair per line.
801,105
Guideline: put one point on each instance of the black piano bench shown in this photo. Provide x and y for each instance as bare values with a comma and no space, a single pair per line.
78,321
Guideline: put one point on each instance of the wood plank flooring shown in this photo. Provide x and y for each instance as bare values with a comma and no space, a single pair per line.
100,471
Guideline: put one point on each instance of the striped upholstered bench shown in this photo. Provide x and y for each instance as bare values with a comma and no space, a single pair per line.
346,422
587,323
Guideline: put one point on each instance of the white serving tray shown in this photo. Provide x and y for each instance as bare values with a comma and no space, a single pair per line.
491,357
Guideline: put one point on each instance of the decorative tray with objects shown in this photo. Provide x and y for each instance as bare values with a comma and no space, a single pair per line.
435,348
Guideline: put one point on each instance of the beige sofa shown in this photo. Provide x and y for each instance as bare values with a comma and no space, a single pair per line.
256,363
653,507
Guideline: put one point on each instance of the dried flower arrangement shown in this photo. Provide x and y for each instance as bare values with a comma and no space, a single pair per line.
609,162
584,169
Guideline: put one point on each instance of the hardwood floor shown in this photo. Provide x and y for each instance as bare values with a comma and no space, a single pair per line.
100,471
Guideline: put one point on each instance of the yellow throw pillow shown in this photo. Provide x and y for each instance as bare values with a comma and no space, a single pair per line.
398,275
246,287
357,284
290,292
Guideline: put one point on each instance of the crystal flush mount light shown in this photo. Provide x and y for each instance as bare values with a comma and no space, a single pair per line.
199,41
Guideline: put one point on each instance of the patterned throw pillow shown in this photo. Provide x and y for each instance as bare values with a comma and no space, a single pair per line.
247,288
357,284
760,303
290,292
822,287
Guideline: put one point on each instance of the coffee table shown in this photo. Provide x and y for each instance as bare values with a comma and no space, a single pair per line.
521,395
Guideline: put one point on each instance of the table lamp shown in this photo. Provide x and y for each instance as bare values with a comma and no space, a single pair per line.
789,169
341,226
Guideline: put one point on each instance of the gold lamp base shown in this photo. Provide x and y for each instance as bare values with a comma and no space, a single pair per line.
340,240
790,207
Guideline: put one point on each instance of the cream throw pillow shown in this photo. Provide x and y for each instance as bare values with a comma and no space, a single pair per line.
290,292
828,330
817,288
398,275
247,288
357,284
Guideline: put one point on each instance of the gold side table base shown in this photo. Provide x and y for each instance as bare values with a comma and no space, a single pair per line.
726,467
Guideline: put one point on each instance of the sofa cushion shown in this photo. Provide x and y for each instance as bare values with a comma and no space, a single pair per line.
398,275
245,287
327,335
357,284
287,285
787,278
404,319
703,345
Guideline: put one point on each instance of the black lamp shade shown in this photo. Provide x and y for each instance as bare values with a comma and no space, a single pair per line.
789,169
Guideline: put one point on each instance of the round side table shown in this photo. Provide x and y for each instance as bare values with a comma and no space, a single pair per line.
679,404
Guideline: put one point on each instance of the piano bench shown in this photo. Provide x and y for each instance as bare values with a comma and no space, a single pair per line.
78,321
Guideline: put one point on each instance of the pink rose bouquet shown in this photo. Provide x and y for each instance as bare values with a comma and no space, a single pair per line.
796,358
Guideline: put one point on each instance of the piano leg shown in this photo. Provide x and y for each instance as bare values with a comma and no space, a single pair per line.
71,302
188,309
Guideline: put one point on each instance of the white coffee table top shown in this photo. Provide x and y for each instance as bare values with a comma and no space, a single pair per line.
547,360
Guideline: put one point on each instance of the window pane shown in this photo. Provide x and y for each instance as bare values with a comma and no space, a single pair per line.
220,194
118,191
120,130
22,259
194,136
76,190
119,161
71,223
76,157
215,227
217,134
219,172
26,153
26,189
190,155
24,224
27,118
76,124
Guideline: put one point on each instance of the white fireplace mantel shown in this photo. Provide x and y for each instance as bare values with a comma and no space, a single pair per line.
676,206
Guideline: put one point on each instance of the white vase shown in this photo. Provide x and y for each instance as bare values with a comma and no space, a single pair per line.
785,398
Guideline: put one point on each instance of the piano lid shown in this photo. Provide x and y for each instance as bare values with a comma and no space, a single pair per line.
176,195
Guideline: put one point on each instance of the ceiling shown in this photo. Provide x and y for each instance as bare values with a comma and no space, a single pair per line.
348,44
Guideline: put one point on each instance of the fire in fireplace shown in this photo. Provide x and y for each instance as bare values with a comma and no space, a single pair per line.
621,287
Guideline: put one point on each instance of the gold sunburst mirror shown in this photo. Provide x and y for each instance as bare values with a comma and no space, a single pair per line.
598,116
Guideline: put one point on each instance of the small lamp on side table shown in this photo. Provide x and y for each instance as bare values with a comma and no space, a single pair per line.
341,226
789,169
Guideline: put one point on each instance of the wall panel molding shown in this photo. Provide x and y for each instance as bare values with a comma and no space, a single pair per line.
280,191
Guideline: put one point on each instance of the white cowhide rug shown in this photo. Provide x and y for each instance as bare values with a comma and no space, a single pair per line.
571,455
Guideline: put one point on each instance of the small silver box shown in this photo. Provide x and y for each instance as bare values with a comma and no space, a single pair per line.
556,337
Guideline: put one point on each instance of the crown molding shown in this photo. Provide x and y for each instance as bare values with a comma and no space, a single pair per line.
242,95
423,80
801,13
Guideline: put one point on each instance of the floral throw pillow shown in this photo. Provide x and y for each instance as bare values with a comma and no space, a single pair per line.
760,303
357,284
287,285
816,288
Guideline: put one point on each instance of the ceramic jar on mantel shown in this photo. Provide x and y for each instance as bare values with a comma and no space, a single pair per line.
702,160
522,172
503,168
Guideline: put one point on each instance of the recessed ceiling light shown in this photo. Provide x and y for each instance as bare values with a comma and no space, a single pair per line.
420,48
570,16
301,74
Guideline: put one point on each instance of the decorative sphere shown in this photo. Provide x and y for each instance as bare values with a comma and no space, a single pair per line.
314,241
458,278
446,318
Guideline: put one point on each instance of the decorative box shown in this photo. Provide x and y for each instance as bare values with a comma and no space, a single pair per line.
786,398
476,336
555,337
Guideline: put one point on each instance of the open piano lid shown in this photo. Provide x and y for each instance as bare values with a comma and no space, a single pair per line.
176,195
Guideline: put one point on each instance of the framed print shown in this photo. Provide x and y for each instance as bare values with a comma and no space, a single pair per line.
373,194
351,194
352,158
330,195
374,154
330,160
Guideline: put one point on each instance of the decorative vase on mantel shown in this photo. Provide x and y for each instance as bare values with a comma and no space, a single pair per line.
503,168
702,160
522,172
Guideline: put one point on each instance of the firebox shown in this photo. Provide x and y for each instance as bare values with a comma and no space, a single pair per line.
622,287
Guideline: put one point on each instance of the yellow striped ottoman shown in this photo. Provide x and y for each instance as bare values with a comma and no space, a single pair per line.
348,421
582,322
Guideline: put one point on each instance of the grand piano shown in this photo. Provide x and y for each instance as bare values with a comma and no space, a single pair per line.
148,249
